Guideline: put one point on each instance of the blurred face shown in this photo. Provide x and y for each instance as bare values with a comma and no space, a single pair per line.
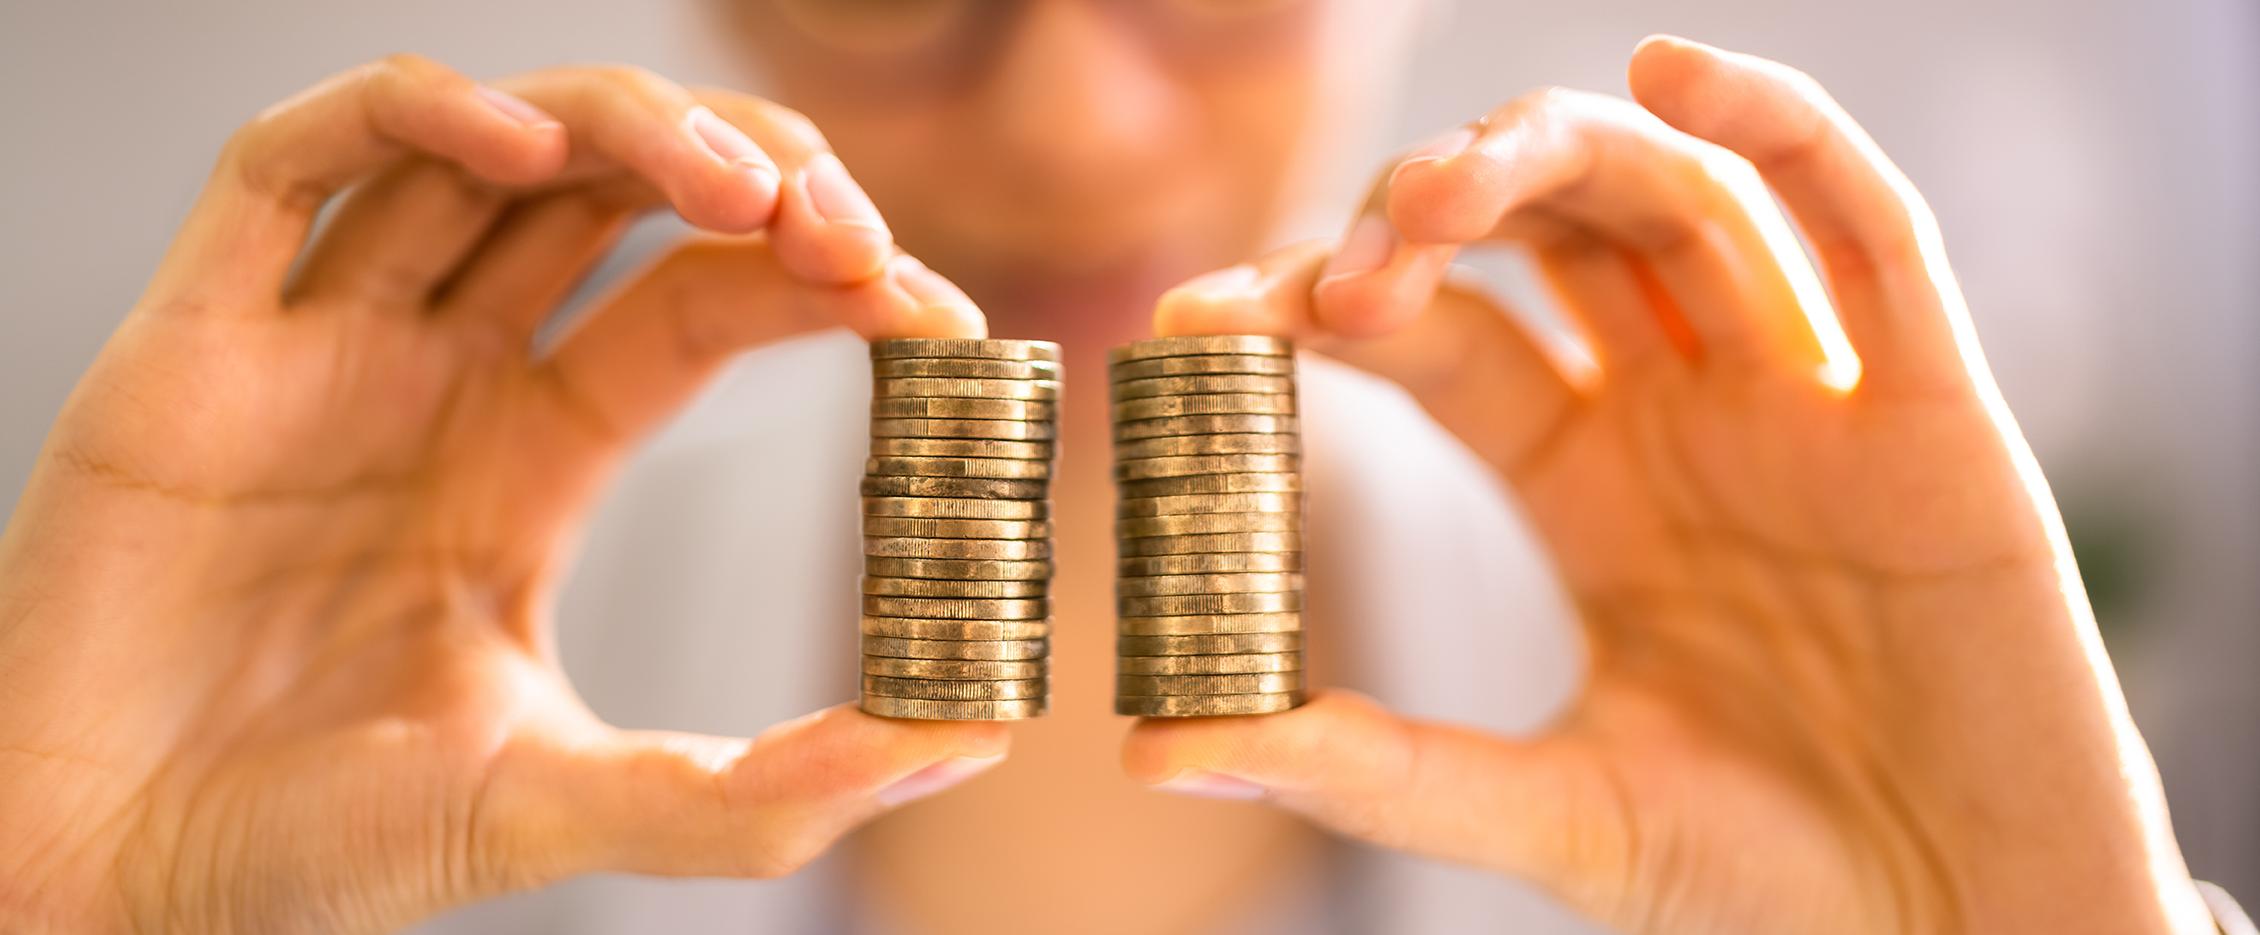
1090,148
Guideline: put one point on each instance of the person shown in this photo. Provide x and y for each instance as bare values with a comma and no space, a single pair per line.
276,608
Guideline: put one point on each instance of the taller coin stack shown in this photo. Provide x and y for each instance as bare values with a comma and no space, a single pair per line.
957,528
1209,590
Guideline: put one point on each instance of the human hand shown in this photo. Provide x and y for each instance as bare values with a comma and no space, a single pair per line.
275,610
1842,673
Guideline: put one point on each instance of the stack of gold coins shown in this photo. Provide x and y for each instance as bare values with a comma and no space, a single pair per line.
957,528
1209,590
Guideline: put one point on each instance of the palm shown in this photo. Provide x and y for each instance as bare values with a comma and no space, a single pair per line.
366,639
1735,545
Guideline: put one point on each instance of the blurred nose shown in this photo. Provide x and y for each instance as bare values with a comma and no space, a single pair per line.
1079,101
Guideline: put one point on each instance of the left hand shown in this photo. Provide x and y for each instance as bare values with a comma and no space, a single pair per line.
1843,677
276,611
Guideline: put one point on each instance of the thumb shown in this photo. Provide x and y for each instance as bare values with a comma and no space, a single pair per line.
674,804
1437,790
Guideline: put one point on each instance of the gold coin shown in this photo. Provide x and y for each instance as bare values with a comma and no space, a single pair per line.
1180,445
1214,542
1202,644
965,368
930,710
1211,483
901,648
1044,390
961,448
974,487
988,348
1244,663
993,468
1208,563
923,528
1192,524
961,608
937,628
1170,407
1250,683
954,508
1203,624
1205,705
993,550
934,587
1178,605
958,569
964,428
958,669
962,408
955,689
1201,364
1227,424
1190,465
1202,385
1191,504
1203,345
942,628
1204,584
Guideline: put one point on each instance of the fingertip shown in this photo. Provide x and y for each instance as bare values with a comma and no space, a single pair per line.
1432,201
743,199
1377,303
826,249
522,144
1277,750
937,308
739,185
843,747
1227,301
1668,74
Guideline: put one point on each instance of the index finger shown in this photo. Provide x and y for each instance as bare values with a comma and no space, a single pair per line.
277,171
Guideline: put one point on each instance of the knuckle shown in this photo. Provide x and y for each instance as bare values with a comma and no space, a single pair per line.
795,125
1802,85
633,79
403,65
1554,99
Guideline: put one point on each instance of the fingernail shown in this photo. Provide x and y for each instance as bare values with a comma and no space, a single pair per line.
1447,144
835,195
1368,247
936,778
925,285
1223,283
1207,785
516,108
1451,143
726,142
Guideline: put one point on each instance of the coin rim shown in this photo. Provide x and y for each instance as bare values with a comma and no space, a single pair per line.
1203,345
1131,705
975,348
1122,371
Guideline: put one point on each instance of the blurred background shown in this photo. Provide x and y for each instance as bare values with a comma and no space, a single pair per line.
2096,165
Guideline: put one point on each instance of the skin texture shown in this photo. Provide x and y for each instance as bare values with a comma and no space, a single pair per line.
275,635
274,612
1842,673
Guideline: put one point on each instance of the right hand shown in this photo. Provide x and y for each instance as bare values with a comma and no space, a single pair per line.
276,646
1841,674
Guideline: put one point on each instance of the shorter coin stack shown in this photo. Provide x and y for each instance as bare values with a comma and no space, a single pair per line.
1209,589
957,528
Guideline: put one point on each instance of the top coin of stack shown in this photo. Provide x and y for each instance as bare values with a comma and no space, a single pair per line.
957,528
1209,589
